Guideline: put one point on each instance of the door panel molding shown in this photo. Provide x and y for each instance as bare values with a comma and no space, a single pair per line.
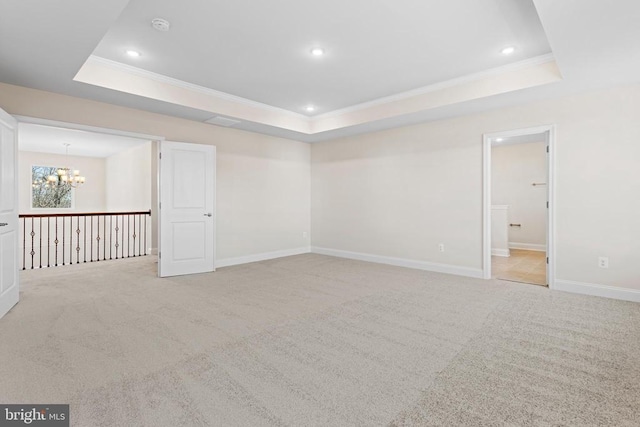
186,207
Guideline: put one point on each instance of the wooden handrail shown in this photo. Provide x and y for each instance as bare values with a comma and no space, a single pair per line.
52,215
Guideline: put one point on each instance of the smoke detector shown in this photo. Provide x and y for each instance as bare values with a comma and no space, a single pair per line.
160,24
222,121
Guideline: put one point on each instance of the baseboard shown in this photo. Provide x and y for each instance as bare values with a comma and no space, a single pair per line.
528,246
500,252
227,262
401,262
597,290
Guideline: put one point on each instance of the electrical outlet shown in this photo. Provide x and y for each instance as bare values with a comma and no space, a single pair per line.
304,234
603,262
441,247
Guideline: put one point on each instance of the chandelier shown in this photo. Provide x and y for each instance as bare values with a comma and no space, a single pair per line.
66,176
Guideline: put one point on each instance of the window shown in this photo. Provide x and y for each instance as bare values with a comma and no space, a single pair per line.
45,194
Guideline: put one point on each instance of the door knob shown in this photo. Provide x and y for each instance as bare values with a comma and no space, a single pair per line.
2,224
208,214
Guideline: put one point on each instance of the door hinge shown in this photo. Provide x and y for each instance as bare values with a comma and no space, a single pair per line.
547,260
160,255
547,148
160,154
547,205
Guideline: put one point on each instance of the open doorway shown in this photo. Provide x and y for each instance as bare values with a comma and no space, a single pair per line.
518,206
84,196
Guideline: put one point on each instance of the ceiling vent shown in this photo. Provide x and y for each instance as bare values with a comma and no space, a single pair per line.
160,24
222,121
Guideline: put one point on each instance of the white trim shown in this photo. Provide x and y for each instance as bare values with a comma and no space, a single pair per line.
486,196
500,252
401,262
96,129
527,63
190,86
605,291
227,262
531,62
528,246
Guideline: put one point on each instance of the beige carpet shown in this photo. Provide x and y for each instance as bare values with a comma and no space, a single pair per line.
316,340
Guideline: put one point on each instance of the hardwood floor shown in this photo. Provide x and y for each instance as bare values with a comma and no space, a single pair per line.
521,266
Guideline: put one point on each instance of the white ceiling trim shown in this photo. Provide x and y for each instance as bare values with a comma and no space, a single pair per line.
485,87
513,77
527,63
114,75
190,86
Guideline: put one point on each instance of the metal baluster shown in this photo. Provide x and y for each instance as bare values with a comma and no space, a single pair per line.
91,239
104,245
70,240
134,235
78,240
40,238
56,241
145,234
139,235
24,243
122,251
111,234
32,253
84,246
48,241
117,229
63,234
98,239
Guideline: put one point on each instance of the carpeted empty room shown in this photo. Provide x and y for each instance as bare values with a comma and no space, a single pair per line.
312,340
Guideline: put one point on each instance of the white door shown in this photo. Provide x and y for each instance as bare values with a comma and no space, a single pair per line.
186,208
9,288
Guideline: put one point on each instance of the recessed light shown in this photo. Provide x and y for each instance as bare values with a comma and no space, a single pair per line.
508,50
317,51
310,108
133,53
499,139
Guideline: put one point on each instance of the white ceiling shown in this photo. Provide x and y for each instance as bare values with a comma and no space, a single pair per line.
260,50
387,63
48,139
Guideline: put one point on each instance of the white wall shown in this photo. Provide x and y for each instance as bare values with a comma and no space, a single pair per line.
128,179
401,192
263,182
89,197
514,169
500,230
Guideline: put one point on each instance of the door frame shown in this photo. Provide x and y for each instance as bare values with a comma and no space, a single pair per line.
550,130
77,126
156,139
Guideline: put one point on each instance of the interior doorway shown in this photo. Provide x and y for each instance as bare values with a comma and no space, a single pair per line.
86,194
518,206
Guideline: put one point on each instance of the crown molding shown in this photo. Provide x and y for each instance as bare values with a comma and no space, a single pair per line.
519,75
527,63
192,87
